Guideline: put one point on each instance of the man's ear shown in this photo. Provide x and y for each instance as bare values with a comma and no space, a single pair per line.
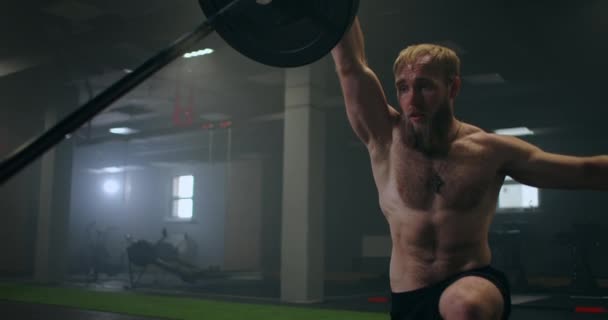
454,87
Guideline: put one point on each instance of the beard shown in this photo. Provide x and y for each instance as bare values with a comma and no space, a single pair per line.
430,135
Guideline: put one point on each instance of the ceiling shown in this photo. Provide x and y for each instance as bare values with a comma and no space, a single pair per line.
532,63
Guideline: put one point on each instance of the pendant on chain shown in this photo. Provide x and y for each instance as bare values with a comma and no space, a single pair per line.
436,182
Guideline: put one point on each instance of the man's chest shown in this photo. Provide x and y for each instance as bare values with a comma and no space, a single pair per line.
457,182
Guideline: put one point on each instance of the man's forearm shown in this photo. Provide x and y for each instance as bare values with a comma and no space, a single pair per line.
597,172
349,53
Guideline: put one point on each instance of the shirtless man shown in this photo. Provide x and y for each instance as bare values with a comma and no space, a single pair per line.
439,179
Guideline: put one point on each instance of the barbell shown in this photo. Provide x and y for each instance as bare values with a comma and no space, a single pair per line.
279,33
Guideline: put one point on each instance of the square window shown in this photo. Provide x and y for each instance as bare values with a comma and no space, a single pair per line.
182,208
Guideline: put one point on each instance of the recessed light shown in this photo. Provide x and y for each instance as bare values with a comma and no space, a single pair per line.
113,169
518,131
198,53
123,130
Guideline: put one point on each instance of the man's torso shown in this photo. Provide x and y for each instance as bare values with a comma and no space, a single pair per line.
437,234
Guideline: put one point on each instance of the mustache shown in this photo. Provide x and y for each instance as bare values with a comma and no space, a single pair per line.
424,137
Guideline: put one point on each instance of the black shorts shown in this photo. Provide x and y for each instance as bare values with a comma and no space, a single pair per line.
423,303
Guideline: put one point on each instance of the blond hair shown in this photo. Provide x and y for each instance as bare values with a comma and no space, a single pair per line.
444,59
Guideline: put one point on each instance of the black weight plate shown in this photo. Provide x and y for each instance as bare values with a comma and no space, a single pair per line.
284,33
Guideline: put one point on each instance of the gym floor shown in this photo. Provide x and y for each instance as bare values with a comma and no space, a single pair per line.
27,311
367,296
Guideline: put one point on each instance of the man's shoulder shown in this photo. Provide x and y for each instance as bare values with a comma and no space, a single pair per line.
474,134
477,139
488,143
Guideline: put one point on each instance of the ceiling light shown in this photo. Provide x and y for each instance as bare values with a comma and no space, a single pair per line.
198,53
122,130
113,169
519,131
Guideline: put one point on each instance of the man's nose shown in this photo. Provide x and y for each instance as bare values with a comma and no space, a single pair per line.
415,99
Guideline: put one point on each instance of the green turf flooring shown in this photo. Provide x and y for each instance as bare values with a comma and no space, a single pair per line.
170,307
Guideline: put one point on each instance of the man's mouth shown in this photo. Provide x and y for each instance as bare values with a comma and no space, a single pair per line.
416,116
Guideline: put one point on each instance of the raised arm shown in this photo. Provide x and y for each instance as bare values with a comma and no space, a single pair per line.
367,109
530,165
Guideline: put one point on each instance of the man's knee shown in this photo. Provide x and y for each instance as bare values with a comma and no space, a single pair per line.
471,299
463,308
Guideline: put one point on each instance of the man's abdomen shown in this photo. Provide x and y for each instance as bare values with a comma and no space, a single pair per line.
424,253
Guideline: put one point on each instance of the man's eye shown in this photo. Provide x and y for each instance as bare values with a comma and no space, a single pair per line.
426,86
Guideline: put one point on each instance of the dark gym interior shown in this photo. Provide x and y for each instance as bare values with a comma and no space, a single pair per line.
200,161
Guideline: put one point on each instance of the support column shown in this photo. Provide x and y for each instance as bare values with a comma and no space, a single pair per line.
51,241
302,234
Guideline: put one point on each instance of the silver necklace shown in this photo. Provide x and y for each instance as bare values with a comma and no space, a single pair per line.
436,180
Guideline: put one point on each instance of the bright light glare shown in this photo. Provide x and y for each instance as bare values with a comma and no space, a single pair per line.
111,186
198,53
519,131
122,131
112,169
518,196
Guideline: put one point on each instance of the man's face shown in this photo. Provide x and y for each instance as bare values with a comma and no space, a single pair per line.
425,99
